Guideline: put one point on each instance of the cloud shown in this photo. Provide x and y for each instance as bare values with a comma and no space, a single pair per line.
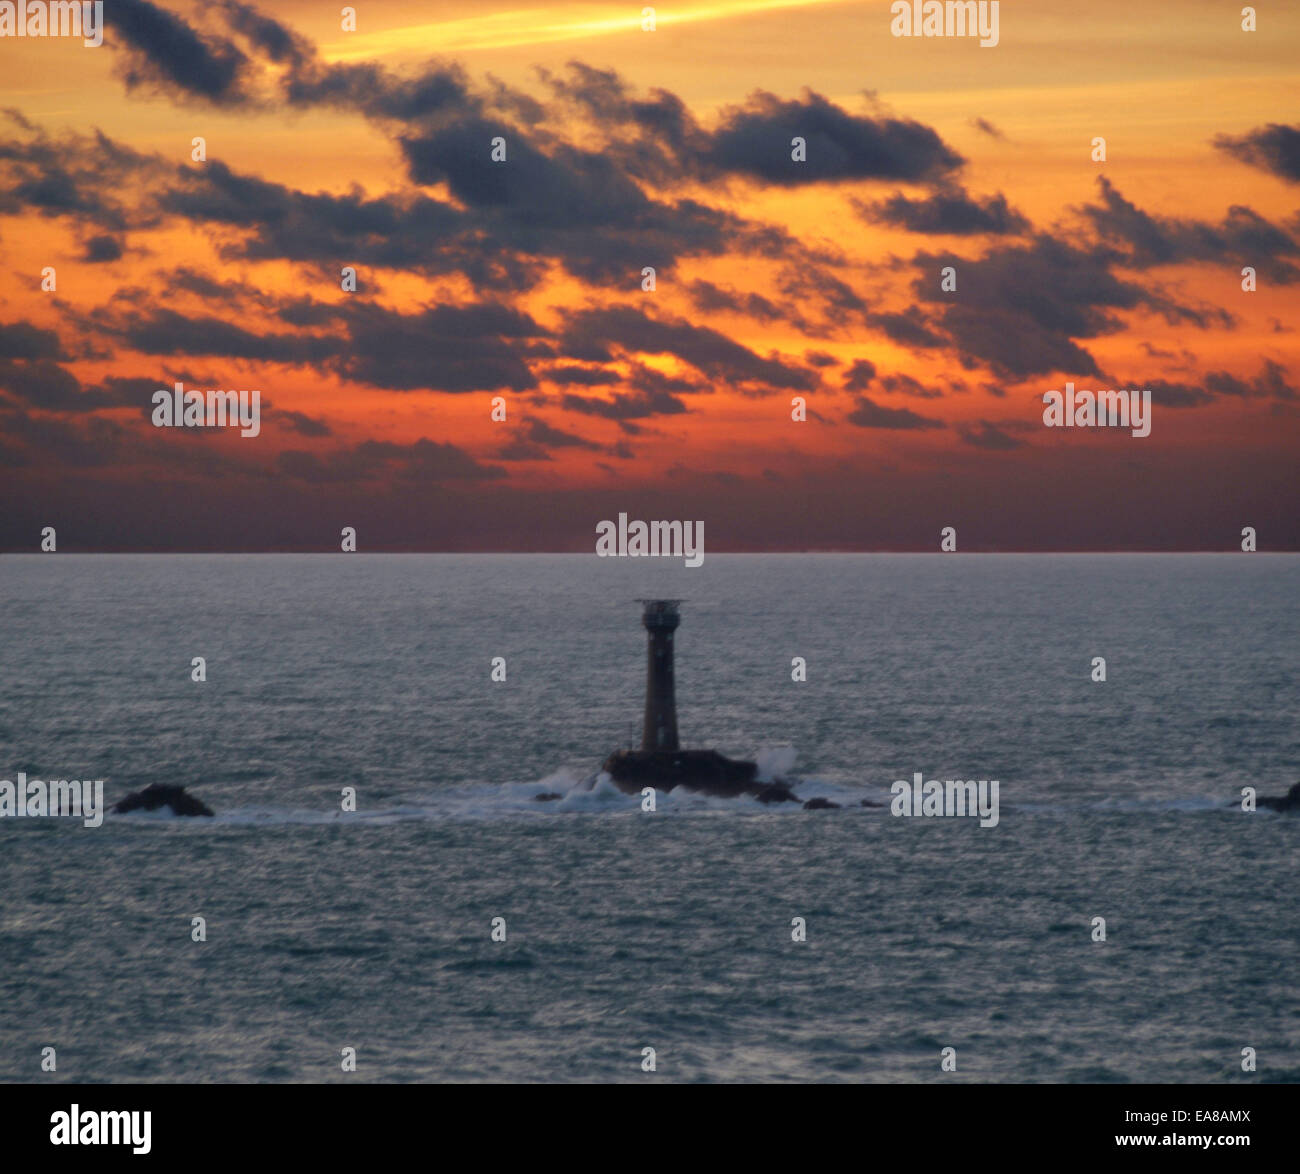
754,140
566,202
1274,148
1242,237
625,407
537,438
859,376
102,248
1270,383
91,179
869,414
164,51
423,461
23,340
950,211
1020,308
581,376
455,348
987,435
592,331
305,425
908,328
166,332
657,137
899,384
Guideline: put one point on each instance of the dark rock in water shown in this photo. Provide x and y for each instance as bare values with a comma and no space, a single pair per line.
696,770
870,803
1288,802
547,796
820,804
157,795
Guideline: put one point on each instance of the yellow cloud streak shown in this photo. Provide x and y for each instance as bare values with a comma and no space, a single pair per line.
504,30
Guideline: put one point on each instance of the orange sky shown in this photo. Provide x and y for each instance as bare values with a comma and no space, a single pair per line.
1159,81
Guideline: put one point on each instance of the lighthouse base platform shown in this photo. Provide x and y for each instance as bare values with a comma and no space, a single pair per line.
705,771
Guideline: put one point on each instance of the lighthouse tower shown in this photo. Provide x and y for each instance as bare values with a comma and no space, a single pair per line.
661,762
660,618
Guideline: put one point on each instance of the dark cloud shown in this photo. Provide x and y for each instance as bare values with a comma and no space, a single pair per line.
908,328
454,348
102,248
582,376
989,436
1165,394
444,348
537,439
983,124
42,384
900,384
648,379
376,92
407,232
706,349
166,332
869,414
807,282
754,140
656,138
552,437
271,39
565,202
23,340
91,179
859,377
304,425
1021,308
1243,237
625,407
164,51
950,211
712,298
1274,148
424,461
1270,383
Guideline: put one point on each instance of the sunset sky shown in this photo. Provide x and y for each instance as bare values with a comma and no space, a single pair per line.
774,279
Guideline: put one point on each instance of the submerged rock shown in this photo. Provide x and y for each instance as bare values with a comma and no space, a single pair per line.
820,804
157,795
547,797
1288,802
705,771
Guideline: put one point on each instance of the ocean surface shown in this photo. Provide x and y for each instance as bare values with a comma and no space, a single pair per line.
670,930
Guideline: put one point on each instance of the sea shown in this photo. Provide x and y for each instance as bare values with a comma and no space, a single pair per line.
1123,921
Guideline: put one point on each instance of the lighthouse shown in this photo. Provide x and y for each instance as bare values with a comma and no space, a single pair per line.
660,617
661,762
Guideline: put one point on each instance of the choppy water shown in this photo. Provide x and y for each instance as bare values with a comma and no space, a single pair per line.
673,930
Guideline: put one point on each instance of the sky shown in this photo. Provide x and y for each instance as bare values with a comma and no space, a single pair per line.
782,287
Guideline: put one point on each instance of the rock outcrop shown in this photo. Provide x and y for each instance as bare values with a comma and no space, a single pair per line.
158,795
